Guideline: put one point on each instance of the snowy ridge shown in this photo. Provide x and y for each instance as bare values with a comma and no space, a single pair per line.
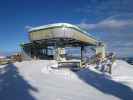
122,72
122,68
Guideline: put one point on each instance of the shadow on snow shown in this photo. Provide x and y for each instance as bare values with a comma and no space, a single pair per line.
105,85
13,86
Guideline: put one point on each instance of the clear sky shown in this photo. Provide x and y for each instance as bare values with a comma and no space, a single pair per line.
108,20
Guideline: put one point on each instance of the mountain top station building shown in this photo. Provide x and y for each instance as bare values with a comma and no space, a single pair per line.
50,42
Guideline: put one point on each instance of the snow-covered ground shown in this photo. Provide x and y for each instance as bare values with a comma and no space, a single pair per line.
34,80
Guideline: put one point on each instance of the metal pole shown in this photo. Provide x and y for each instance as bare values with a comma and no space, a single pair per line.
81,55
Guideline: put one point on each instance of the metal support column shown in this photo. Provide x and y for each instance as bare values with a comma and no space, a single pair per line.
100,48
46,51
82,47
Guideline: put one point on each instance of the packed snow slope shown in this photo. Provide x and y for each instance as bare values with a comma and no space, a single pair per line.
35,80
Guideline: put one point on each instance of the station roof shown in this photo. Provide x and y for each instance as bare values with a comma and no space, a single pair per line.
61,32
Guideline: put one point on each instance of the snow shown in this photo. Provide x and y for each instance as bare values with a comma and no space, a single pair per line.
52,25
122,68
36,80
123,72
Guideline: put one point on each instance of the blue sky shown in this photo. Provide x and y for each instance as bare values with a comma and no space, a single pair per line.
108,20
